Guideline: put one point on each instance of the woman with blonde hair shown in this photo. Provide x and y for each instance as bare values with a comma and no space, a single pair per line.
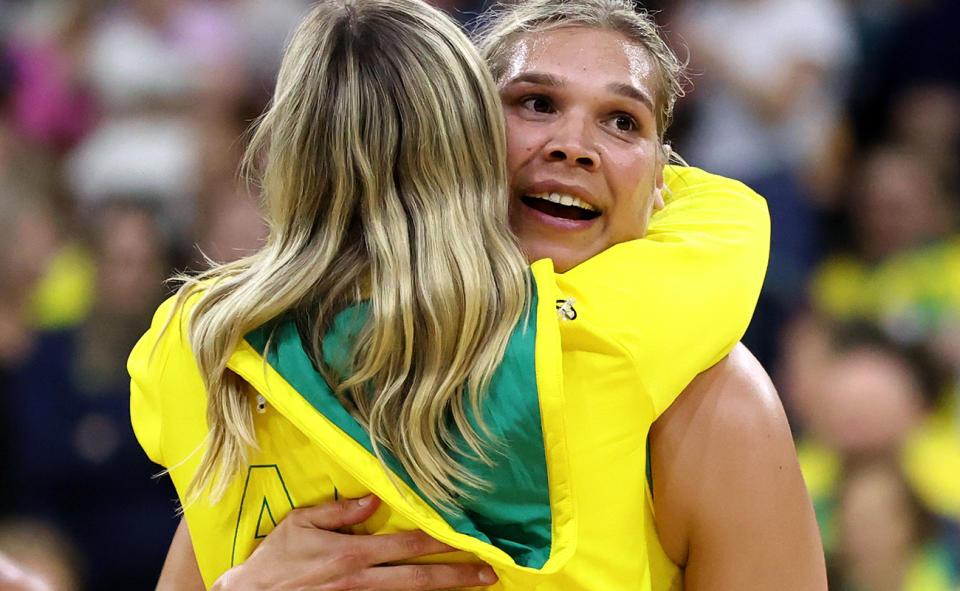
389,337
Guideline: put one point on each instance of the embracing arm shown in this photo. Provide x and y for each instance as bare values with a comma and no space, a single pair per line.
731,506
305,550
679,299
180,571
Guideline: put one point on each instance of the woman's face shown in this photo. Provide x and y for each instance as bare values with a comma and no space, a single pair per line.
585,162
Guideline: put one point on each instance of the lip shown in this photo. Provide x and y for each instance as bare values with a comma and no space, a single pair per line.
555,223
563,188
561,224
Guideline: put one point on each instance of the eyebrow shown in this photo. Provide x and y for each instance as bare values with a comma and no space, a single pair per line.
619,88
541,78
631,92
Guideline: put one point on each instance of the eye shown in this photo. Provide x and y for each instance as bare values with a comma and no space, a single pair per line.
538,104
624,122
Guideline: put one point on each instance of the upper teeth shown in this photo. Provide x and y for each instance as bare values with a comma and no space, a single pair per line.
564,200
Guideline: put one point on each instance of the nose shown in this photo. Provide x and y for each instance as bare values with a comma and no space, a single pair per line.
572,144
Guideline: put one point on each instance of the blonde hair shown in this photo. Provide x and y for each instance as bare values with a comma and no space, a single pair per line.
382,166
499,29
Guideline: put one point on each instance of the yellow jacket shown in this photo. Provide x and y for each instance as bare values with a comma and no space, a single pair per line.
574,400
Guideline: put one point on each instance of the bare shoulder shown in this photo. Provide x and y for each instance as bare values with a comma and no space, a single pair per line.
739,382
736,401
729,499
733,403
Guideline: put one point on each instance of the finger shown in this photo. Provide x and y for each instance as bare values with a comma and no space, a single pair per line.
385,548
424,577
336,514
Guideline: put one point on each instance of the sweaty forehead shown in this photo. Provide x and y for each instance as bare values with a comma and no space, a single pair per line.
573,50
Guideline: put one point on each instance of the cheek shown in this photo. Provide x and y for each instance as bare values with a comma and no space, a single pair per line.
634,167
630,221
521,142
633,179
634,205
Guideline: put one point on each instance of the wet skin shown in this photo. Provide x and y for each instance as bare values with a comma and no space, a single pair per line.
580,125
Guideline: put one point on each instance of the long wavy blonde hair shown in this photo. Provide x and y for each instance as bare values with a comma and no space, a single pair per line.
381,161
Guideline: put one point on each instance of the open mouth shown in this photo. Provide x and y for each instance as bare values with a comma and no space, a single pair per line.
561,206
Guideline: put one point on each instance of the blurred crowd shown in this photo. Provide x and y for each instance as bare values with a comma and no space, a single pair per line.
121,128
845,115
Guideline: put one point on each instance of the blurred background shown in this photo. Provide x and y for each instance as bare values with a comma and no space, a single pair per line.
121,125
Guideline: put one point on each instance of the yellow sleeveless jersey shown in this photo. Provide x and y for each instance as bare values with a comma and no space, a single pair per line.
607,348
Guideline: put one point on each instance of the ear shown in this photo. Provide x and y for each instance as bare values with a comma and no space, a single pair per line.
666,151
658,198
662,161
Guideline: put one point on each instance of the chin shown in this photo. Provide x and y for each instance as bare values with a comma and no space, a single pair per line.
563,258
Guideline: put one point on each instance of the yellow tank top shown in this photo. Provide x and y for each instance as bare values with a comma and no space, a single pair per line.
610,345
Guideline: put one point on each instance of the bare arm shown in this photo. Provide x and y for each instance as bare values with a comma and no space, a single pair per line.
306,551
180,571
731,506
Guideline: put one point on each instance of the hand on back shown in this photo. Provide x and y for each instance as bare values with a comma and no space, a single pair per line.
305,551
